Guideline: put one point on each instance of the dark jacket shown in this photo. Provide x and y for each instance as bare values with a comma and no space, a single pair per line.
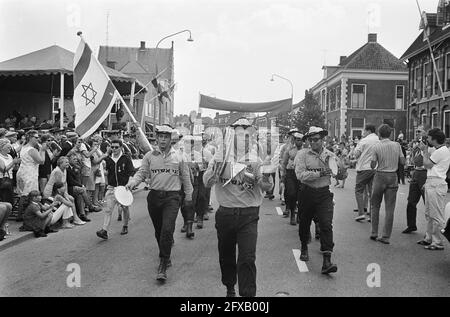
119,174
73,178
66,147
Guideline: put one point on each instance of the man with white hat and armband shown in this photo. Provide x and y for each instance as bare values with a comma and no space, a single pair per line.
239,186
167,171
312,169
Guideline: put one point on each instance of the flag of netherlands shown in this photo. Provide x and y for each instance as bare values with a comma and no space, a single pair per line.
94,93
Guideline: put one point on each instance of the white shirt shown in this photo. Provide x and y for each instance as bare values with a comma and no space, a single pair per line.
364,148
441,160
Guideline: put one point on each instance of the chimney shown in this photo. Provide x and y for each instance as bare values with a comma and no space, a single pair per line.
341,59
142,45
372,37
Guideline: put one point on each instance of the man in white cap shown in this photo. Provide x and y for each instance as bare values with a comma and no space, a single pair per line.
312,169
288,176
167,171
239,186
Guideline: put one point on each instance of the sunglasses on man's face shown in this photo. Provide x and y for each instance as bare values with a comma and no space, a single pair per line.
115,147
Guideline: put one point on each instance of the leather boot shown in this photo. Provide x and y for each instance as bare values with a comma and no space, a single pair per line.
293,218
184,228
327,266
162,275
304,255
189,233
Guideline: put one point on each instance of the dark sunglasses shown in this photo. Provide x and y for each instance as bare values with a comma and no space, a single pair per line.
314,139
115,147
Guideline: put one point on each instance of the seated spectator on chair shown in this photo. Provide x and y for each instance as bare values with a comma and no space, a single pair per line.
38,217
5,211
7,164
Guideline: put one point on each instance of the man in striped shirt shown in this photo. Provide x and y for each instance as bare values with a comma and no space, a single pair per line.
386,156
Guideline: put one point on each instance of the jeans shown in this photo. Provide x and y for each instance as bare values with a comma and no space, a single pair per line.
435,192
200,200
418,179
238,226
163,209
319,205
291,189
363,179
385,184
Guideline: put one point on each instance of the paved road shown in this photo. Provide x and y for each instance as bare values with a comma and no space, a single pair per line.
126,265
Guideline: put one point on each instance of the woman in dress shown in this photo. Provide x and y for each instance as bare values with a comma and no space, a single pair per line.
7,164
98,170
31,156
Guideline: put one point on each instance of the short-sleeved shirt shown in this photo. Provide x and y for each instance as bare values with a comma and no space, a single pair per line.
387,154
441,160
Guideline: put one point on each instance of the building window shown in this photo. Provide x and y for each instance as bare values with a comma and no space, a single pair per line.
434,120
446,125
336,128
423,118
435,79
447,72
324,100
332,99
338,97
359,96
426,87
399,97
357,127
416,82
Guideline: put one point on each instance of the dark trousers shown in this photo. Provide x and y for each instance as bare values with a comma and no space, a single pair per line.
7,194
291,189
238,226
200,200
163,209
418,179
270,192
401,174
319,203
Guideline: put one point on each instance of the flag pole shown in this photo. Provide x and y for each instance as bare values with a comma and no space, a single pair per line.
159,74
430,48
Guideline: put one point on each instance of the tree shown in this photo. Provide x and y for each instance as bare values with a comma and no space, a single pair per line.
309,114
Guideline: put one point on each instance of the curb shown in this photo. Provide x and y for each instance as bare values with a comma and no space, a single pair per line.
14,242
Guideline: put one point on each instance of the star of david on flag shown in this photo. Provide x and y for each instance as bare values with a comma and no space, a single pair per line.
94,93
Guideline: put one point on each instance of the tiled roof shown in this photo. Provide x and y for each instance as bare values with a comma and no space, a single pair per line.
420,45
373,56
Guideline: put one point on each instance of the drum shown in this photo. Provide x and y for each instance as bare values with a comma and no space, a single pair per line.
123,196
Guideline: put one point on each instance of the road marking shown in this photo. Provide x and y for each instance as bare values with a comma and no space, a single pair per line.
279,211
302,267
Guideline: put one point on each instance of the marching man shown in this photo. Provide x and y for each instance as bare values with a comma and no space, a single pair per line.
167,171
312,169
239,198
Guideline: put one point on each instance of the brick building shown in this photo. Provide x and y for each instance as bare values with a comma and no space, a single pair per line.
426,105
369,86
139,62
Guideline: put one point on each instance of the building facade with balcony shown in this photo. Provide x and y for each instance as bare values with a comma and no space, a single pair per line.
139,62
426,104
369,86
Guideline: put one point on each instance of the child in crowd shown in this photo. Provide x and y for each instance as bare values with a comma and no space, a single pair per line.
342,164
38,217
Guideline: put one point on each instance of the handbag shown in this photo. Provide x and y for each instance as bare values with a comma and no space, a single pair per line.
6,182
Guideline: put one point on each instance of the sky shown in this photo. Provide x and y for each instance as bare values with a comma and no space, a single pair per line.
238,44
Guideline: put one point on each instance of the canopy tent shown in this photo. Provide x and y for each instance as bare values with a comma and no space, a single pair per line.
30,82
55,60
225,105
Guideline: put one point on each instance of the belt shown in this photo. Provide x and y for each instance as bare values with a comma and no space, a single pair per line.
420,170
387,172
317,188
164,193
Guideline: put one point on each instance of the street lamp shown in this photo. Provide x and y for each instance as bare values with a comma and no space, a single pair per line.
292,91
156,62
